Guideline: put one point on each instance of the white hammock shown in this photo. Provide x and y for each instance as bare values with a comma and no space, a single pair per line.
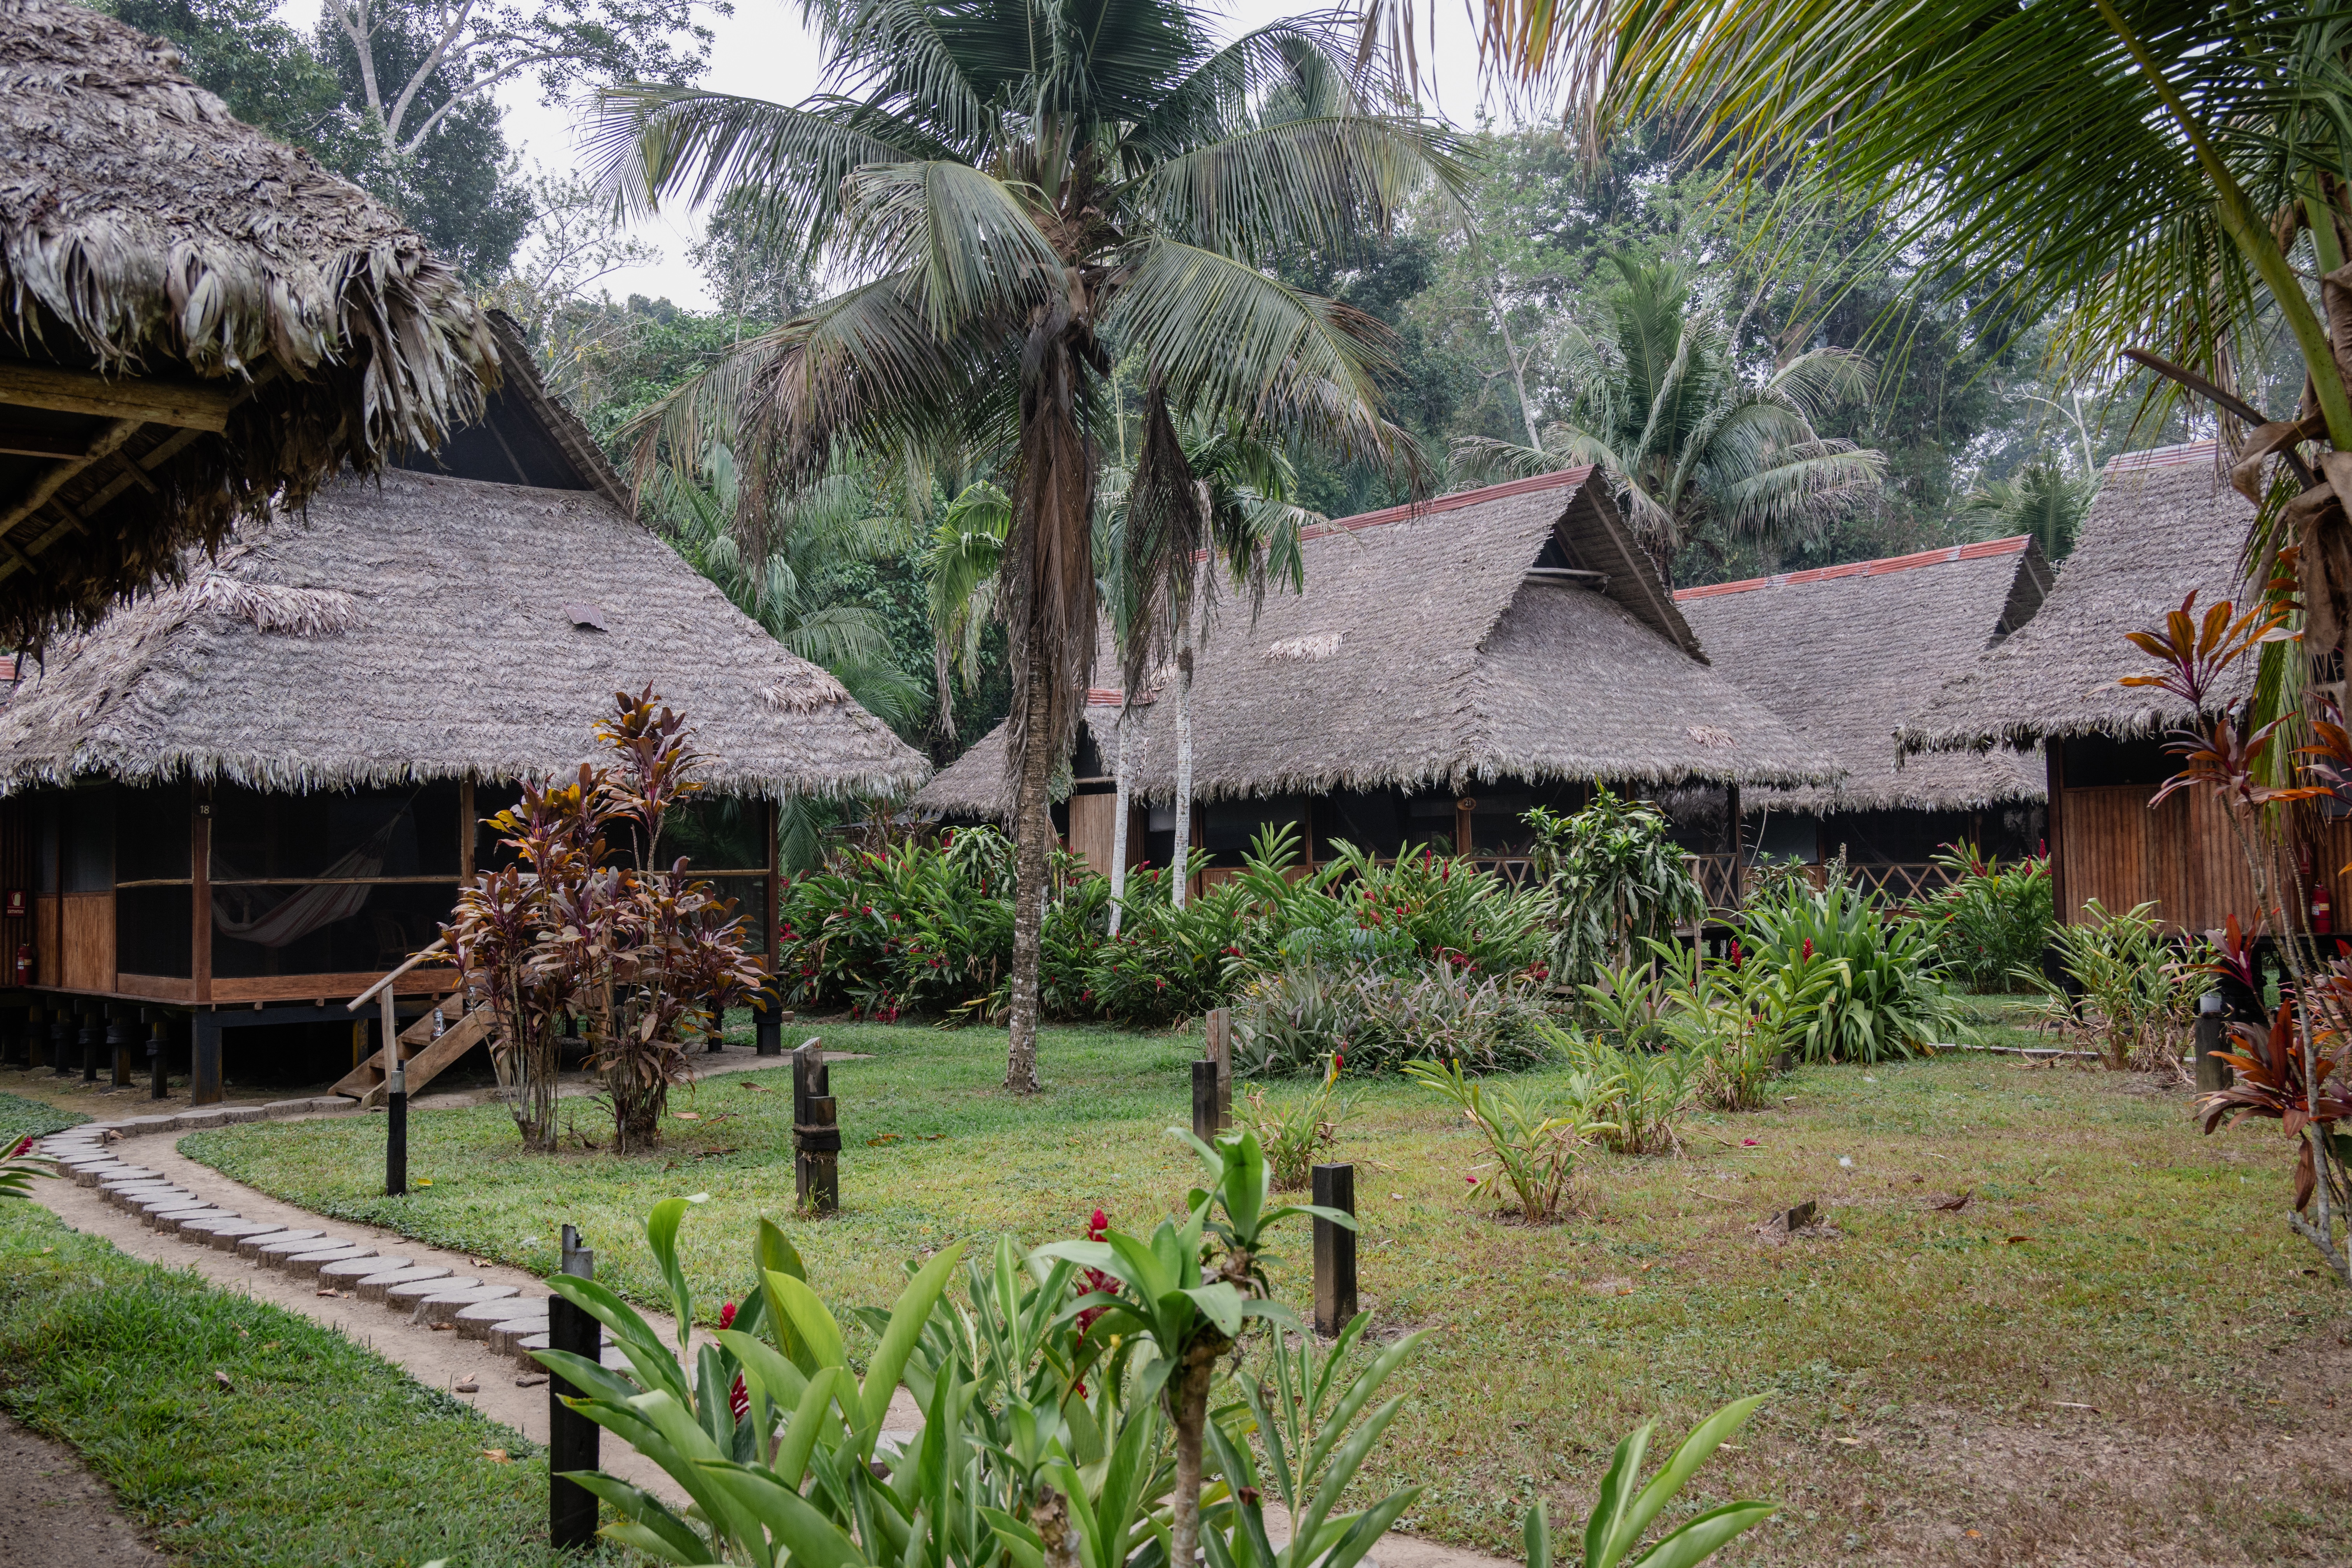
310,908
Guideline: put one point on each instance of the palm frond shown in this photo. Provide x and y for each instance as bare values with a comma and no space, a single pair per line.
1802,488
1321,184
971,243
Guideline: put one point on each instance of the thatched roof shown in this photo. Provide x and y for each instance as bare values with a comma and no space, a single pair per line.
2165,522
1509,632
417,627
1846,653
196,322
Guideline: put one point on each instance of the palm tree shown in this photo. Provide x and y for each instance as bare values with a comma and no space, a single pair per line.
1660,405
1030,192
2042,499
959,571
2158,172
1162,585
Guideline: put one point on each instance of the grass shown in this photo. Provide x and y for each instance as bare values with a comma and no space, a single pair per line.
20,1118
315,1452
2114,1349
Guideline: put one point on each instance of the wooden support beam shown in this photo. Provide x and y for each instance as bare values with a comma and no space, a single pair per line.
53,479
196,405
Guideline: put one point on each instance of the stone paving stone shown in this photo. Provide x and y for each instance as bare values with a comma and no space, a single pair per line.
306,1265
233,1114
443,1306
275,1252
349,1271
476,1321
225,1234
375,1287
406,1295
171,1221
504,1337
251,1245
145,1202
134,1177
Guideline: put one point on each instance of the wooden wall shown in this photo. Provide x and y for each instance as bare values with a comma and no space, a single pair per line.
2108,844
1092,817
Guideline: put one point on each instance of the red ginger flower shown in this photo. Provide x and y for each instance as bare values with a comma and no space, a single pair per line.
739,1398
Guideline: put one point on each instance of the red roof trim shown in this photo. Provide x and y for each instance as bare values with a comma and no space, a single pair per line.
1454,502
1111,696
2161,456
2014,545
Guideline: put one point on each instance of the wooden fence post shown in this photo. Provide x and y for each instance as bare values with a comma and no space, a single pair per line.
36,1039
158,1049
816,1132
571,1438
2213,1073
1204,1100
1221,1051
395,1102
1335,1250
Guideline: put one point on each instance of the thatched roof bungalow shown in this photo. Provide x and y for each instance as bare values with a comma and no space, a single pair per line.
264,783
2165,523
196,322
1844,654
1448,666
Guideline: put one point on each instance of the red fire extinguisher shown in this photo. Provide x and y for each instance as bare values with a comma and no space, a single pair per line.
24,964
2323,912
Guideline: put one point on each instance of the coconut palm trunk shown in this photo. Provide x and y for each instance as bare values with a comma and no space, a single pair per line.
1185,640
1034,833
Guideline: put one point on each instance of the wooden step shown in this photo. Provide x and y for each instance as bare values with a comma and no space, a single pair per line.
423,1053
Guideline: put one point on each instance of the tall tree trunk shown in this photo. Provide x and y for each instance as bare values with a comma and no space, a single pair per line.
1184,642
1182,859
1118,820
1034,822
1189,1393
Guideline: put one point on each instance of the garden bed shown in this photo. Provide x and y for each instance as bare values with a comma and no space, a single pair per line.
1932,1375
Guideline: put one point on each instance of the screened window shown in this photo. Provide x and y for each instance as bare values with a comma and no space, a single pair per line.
88,820
152,930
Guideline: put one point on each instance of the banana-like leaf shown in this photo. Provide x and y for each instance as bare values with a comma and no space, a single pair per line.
661,1235
786,1517
907,1320
1605,1541
655,1366
816,1336
1535,1536
677,1542
1708,1436
1703,1537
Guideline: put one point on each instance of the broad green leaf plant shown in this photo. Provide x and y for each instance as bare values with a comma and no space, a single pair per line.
1620,1514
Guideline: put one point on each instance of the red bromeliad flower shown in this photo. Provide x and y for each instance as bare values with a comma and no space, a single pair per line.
1097,1227
1808,947
739,1398
1737,956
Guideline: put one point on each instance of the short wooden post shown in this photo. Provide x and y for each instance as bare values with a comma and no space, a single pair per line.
93,1035
1335,1250
817,1166
204,1061
2213,1073
159,1050
61,1041
36,1039
767,1021
570,1436
122,1034
1204,1101
1221,1051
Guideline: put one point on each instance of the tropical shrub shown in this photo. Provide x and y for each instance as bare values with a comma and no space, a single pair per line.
20,1166
1731,1020
1879,996
1530,1140
1292,1021
1294,1129
1630,1101
1990,921
1613,878
592,925
1620,1514
2139,988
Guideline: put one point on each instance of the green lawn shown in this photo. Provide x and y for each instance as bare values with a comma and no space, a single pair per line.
20,1116
2113,1350
316,1451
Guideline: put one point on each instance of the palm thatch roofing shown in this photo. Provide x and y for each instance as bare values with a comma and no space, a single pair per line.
416,626
1514,631
196,322
2165,522
1845,653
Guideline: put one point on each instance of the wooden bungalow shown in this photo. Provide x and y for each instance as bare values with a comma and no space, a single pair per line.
1447,668
242,798
2166,521
1844,654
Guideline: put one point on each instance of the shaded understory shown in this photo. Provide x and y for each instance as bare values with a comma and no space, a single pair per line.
2113,1350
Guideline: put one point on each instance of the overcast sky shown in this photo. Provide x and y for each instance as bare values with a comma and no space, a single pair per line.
763,52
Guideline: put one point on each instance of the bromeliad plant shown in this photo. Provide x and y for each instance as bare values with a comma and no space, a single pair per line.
1620,1515
1532,1142
1192,1291
1881,994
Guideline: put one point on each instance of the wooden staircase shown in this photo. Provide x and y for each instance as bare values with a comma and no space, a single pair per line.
426,1047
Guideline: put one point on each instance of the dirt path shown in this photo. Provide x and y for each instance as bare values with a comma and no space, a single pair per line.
55,1514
